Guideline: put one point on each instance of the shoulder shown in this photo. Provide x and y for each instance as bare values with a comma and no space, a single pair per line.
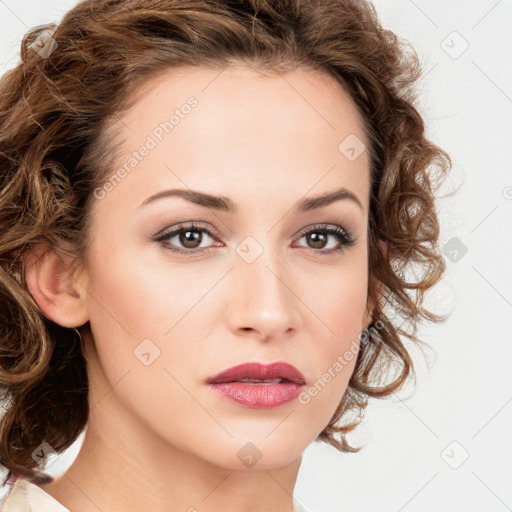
15,498
24,495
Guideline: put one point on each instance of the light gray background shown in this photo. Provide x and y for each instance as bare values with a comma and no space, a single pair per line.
461,406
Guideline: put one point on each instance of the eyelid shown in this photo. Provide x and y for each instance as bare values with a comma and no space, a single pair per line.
320,227
190,224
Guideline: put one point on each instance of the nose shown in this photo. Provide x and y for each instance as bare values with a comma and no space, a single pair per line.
264,300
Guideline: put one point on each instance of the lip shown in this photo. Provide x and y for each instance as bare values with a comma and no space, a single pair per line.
259,371
228,384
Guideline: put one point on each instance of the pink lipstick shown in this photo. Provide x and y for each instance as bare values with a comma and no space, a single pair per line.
258,385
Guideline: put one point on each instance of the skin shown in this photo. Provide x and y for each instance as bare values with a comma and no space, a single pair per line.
157,438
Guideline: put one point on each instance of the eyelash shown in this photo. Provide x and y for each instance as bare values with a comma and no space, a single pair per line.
344,238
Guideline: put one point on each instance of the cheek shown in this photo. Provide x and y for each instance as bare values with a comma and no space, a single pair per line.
143,328
142,297
339,306
337,297
335,359
142,308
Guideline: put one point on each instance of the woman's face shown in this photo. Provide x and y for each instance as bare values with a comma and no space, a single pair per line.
261,281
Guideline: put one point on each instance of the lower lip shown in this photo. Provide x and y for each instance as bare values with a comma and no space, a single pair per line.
257,396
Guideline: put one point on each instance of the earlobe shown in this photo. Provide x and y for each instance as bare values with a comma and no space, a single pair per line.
384,246
58,294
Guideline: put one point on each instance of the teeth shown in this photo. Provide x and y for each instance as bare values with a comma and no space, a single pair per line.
272,381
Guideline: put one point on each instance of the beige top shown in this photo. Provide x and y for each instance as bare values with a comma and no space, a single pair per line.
25,496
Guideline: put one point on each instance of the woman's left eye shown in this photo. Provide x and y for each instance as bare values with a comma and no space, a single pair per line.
319,236
192,236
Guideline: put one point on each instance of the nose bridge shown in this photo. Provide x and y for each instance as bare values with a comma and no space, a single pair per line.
263,298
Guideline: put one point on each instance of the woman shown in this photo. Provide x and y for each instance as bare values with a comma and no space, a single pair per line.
158,291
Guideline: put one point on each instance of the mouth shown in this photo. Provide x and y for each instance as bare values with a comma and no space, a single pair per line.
263,381
258,386
257,373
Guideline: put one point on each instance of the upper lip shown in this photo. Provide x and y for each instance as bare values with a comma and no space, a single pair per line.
258,371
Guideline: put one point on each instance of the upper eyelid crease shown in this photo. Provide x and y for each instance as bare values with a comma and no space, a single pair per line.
223,203
200,226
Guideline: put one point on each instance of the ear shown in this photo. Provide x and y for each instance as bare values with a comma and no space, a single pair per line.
367,318
60,296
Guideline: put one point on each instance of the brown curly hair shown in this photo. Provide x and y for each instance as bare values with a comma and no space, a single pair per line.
55,111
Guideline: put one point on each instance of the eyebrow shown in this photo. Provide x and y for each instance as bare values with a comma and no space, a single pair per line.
225,204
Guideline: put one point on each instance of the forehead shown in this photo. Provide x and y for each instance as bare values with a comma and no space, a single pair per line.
213,129
231,94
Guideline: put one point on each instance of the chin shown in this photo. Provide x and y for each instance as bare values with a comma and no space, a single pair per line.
258,453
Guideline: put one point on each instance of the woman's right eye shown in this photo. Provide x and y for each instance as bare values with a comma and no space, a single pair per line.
188,236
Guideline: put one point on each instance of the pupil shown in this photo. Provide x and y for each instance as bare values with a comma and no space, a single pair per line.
318,236
188,238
